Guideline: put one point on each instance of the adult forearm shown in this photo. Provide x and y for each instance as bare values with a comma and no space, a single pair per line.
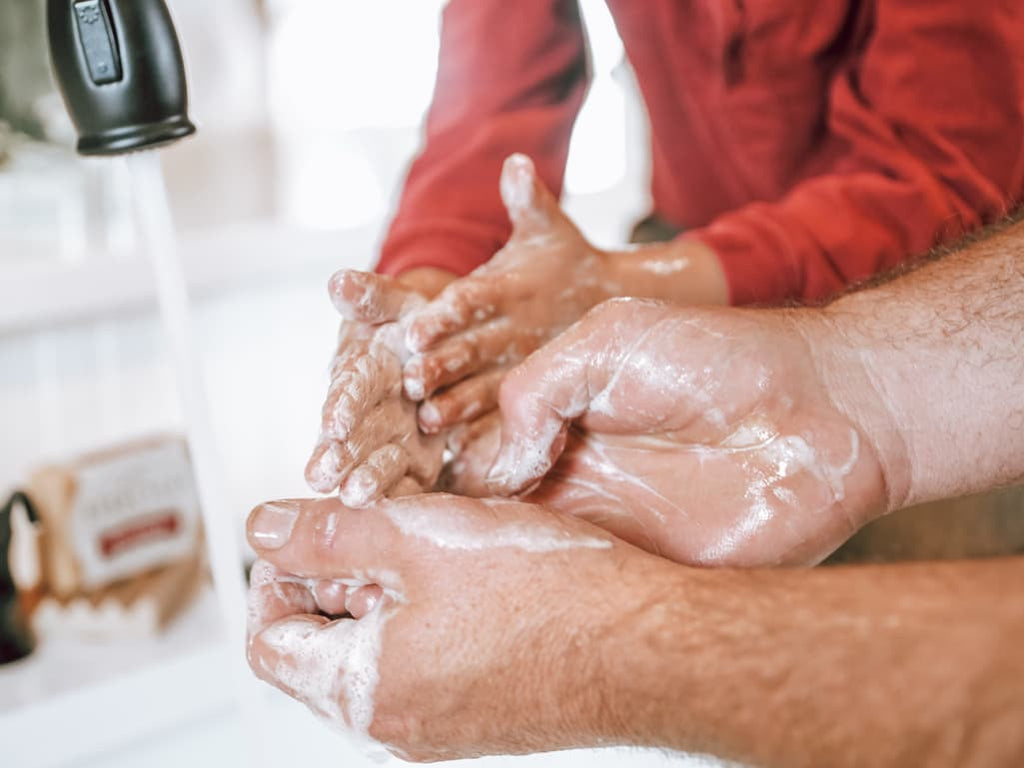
933,365
882,666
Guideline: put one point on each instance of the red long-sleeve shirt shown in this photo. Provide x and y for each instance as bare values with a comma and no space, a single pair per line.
809,143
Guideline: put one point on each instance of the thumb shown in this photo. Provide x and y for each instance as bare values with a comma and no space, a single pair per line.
324,539
531,206
538,401
579,376
366,297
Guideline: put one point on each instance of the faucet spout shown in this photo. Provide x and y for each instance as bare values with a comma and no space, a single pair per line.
119,67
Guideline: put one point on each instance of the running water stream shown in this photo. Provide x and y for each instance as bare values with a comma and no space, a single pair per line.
157,237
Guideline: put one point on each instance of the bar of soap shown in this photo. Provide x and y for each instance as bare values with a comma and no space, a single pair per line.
116,514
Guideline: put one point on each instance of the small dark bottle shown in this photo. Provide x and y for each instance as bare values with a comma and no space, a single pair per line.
16,640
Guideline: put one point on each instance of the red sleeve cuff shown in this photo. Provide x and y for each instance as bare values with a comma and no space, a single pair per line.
760,255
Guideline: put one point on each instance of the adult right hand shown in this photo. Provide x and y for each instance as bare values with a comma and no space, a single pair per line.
370,445
709,436
446,627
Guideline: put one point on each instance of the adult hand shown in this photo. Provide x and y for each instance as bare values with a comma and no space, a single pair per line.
544,279
447,627
440,626
708,436
369,443
473,447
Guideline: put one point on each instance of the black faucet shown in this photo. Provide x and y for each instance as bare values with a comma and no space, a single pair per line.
119,67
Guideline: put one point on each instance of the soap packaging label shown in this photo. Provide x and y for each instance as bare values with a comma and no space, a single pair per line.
132,512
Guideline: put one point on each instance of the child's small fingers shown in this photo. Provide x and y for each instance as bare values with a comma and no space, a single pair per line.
367,297
356,389
466,401
462,304
497,343
325,466
375,477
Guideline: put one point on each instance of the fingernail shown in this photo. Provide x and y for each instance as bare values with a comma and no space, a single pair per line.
336,290
272,524
322,475
337,281
517,183
414,388
430,415
358,488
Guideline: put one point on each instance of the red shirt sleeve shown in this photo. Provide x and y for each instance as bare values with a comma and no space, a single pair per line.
926,130
512,78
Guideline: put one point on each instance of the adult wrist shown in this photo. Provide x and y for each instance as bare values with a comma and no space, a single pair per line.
859,379
641,676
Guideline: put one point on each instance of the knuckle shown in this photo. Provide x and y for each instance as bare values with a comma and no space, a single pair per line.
454,360
461,306
469,294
